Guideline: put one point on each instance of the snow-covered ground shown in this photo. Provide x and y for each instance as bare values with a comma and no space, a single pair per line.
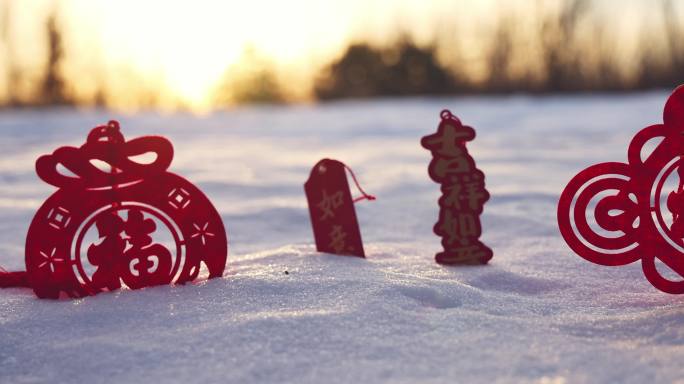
537,313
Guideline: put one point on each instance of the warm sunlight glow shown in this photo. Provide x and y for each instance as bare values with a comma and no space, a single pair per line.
191,48
191,54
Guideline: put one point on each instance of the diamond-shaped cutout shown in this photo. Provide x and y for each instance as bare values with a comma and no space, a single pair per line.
59,218
179,198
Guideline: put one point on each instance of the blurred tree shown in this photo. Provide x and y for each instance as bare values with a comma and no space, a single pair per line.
250,80
662,66
365,71
53,90
499,78
259,87
418,72
359,73
605,72
13,72
674,32
561,52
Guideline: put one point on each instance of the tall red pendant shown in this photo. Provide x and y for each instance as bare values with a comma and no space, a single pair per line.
463,193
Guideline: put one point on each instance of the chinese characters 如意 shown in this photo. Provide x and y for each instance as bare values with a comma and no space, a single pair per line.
328,205
331,208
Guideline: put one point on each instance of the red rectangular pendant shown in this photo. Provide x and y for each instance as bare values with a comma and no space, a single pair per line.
333,217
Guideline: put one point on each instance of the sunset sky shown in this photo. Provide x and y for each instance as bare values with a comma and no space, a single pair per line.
185,49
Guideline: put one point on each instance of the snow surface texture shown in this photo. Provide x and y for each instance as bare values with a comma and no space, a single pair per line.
537,313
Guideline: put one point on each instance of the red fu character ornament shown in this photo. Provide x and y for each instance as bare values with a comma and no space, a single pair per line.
123,222
463,193
618,213
335,227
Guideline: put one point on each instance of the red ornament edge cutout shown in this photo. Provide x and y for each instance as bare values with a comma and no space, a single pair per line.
628,201
135,224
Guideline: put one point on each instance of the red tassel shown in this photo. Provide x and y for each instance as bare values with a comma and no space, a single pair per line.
13,279
363,193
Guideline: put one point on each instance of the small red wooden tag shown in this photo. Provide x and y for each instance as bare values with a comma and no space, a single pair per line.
331,207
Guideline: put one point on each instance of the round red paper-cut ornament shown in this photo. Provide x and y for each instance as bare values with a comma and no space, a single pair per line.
118,221
618,213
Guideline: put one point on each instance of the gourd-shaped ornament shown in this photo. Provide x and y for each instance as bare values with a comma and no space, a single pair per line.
117,221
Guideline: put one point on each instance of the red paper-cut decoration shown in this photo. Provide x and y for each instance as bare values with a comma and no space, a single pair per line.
122,222
636,207
333,217
463,193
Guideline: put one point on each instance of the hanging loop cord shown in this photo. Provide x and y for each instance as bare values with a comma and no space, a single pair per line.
13,279
364,195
